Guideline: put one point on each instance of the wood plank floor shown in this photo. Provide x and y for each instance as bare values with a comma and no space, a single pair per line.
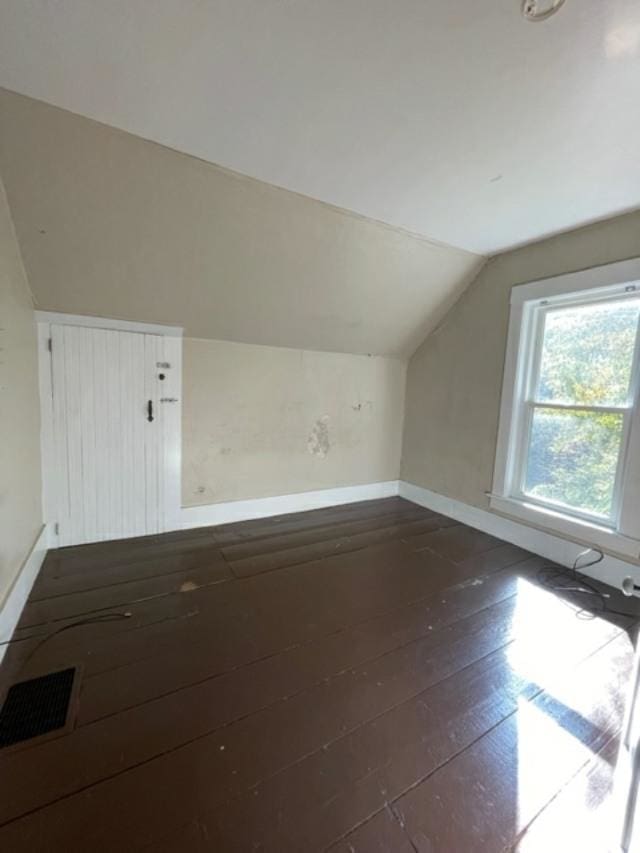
366,678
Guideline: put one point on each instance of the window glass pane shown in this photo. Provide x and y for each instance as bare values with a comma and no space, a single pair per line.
587,354
573,457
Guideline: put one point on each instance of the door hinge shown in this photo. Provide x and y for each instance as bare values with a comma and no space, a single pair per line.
56,529
50,345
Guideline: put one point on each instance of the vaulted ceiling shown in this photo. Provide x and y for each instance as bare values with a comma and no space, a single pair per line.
456,120
111,225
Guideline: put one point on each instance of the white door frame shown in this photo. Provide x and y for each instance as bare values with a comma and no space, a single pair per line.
172,422
626,801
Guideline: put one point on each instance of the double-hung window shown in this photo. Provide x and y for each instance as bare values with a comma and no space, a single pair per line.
568,454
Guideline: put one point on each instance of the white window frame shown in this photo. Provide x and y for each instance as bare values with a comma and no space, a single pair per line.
529,305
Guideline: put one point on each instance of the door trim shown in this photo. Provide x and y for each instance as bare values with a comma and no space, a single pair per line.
172,426
108,323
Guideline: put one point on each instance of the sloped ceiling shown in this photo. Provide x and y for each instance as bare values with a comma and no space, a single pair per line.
112,225
455,119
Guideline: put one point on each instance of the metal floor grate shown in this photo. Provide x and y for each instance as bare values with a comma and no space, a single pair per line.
36,707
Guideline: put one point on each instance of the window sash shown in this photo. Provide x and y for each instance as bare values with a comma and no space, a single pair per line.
608,282
518,490
561,303
530,356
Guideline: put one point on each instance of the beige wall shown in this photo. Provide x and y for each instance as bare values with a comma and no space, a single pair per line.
20,494
454,379
264,421
115,226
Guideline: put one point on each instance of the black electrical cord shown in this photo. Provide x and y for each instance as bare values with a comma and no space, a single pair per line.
112,616
89,620
559,579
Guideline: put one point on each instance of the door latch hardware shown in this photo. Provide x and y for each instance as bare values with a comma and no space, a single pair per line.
168,399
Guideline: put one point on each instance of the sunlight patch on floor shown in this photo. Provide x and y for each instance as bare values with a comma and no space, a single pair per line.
550,633
580,818
546,752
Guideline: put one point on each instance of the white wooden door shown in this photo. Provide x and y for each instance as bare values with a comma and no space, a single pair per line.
110,391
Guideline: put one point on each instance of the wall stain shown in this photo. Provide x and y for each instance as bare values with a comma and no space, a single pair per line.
318,443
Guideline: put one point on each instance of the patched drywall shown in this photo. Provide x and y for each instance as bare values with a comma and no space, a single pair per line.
111,225
454,380
318,442
20,491
265,421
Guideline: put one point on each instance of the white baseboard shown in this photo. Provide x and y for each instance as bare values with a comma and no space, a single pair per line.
223,513
18,594
611,570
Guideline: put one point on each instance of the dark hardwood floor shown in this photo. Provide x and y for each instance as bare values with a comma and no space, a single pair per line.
366,678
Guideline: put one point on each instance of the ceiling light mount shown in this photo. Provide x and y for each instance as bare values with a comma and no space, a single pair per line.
534,10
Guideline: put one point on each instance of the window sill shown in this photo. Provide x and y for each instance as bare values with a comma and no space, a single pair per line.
572,528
